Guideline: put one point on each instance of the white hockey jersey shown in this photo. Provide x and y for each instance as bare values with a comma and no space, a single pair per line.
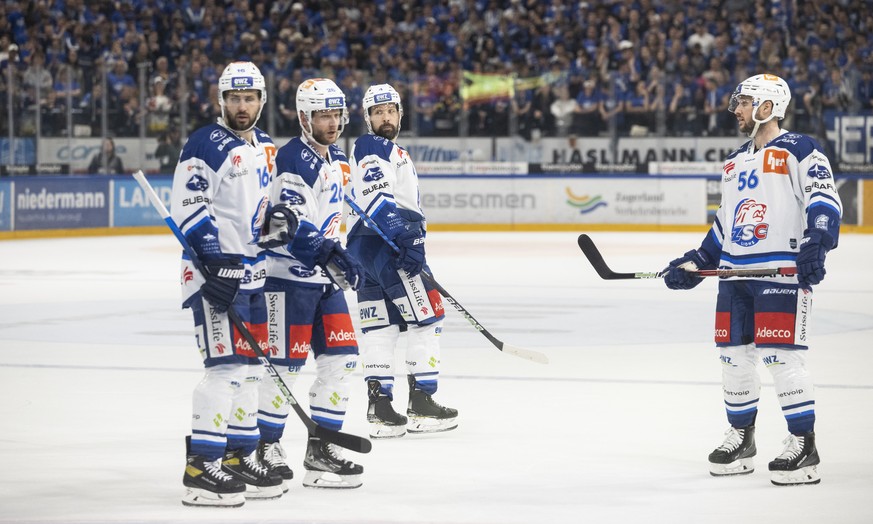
312,187
384,182
769,197
219,200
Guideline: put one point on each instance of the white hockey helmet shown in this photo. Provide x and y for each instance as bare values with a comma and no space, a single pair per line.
761,88
239,76
321,94
381,94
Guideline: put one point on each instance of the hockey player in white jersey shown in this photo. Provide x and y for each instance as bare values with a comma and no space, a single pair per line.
304,290
779,207
395,298
219,201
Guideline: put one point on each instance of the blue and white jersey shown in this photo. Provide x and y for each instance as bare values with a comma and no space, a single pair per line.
384,185
312,186
769,197
219,201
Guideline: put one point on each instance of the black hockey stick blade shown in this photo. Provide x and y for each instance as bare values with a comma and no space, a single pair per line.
344,440
596,259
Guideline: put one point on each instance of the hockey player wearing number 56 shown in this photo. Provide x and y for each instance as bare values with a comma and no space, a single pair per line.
779,207
219,201
306,304
395,298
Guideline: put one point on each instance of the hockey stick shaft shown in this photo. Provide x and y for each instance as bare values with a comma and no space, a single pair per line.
527,354
345,440
596,259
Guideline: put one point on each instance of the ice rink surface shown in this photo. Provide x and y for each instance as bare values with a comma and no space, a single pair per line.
98,362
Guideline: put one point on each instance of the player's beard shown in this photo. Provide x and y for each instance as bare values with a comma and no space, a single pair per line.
234,123
746,126
321,137
387,130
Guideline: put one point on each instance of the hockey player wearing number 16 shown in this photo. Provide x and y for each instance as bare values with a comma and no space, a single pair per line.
395,297
219,202
779,206
306,305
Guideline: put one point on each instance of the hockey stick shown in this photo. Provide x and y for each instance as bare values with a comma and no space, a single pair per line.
527,354
596,259
345,440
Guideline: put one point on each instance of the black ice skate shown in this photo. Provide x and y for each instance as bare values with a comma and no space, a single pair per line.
736,454
261,483
384,421
798,463
273,456
207,485
326,468
425,414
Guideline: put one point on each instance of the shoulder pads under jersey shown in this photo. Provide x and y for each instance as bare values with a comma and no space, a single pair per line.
373,145
337,153
298,158
210,144
797,144
738,150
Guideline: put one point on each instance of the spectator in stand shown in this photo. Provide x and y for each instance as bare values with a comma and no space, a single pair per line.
639,119
106,162
588,109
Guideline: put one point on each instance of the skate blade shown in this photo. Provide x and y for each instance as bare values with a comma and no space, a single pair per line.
798,477
327,480
737,467
195,497
264,492
430,425
382,431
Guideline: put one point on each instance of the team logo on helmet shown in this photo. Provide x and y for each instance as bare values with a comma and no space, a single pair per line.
242,82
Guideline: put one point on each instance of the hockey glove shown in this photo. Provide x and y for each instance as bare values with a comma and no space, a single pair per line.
678,274
222,282
811,259
279,228
340,267
411,255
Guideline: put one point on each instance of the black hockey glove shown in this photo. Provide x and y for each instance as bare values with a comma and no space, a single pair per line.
279,227
811,259
222,282
411,255
339,266
678,274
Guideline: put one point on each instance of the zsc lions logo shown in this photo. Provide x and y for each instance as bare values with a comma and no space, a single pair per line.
197,183
749,227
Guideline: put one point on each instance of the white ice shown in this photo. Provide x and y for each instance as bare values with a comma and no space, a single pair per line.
97,366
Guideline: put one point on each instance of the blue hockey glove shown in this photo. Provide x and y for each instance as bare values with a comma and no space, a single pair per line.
279,228
676,276
340,267
811,259
222,282
411,255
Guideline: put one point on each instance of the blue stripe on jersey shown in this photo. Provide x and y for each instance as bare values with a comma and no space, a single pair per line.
192,216
827,200
758,258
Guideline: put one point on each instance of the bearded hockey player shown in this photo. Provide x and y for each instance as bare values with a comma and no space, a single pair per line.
779,207
395,298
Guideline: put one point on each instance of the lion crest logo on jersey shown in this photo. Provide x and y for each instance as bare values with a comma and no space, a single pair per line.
749,227
197,183
258,219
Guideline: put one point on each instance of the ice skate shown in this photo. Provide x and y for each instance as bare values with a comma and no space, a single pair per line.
798,463
207,485
384,421
426,415
260,482
273,456
326,468
736,454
